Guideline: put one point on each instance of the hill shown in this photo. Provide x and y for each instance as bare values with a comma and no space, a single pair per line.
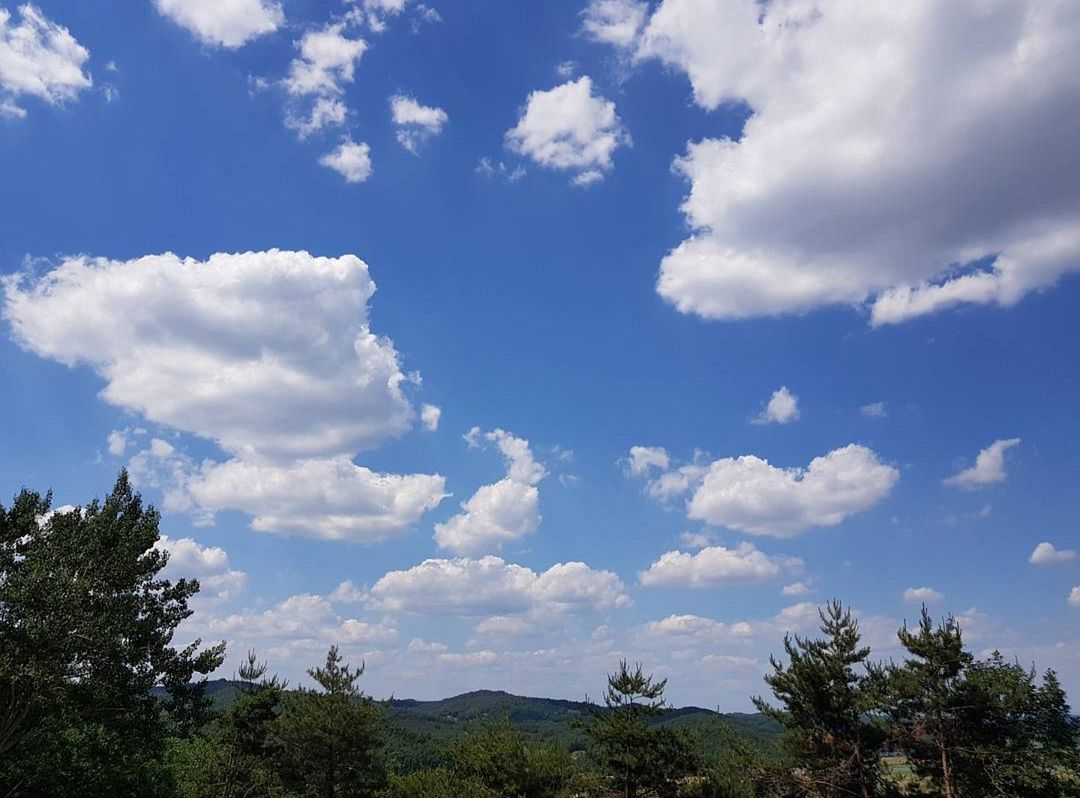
418,731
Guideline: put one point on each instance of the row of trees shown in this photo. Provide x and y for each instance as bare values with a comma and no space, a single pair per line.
96,701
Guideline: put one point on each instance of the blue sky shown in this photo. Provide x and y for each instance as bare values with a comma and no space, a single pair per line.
745,308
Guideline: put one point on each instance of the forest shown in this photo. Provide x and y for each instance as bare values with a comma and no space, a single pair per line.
97,700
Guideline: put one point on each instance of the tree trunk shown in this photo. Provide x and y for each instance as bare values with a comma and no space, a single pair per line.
946,772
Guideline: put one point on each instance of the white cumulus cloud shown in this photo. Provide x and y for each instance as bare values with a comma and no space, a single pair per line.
329,498
1074,597
1048,554
490,586
922,595
615,22
350,160
989,466
415,123
500,512
716,565
188,559
38,58
429,417
645,458
326,63
782,408
298,619
268,354
263,352
750,494
225,23
569,128
881,163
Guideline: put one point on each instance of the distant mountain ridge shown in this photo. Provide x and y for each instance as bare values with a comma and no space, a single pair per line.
417,730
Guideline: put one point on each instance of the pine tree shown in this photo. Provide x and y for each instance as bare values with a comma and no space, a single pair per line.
638,758
827,708
330,741
244,734
986,728
928,700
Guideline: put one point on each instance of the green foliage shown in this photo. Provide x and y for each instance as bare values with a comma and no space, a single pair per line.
499,756
246,760
825,708
86,628
418,732
438,783
328,741
974,728
636,757
926,698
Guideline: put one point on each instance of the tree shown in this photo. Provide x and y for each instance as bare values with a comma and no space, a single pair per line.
86,631
826,708
437,783
329,741
498,756
927,699
1017,737
638,758
980,727
245,762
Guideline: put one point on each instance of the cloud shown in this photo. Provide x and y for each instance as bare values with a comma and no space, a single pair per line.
350,160
696,630
1047,554
714,566
469,659
614,22
327,62
490,168
415,123
568,128
795,589
268,354
117,442
874,410
225,23
297,619
695,540
325,112
897,169
329,498
379,11
429,417
749,494
783,408
491,586
38,58
1074,597
922,595
645,458
189,559
501,512
502,625
989,466
566,69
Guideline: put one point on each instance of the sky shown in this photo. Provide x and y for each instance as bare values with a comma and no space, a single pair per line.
497,342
